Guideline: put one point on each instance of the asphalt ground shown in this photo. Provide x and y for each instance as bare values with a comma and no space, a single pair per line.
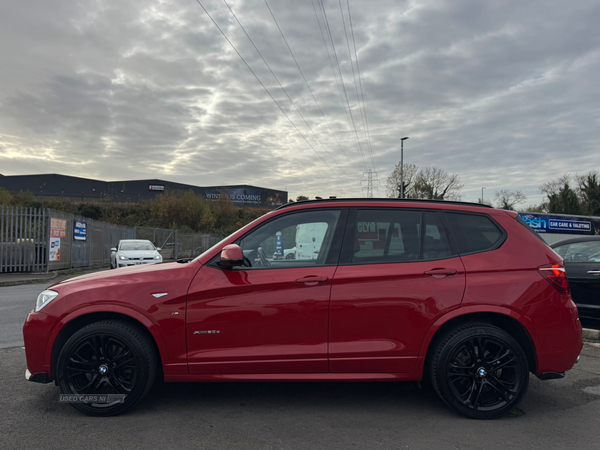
555,414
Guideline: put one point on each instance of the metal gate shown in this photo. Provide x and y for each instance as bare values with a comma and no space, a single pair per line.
23,239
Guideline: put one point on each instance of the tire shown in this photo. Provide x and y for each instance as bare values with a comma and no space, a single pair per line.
290,256
107,357
479,384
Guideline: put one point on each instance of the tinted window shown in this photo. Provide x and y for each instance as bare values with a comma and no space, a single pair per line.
305,239
394,235
580,251
435,242
474,233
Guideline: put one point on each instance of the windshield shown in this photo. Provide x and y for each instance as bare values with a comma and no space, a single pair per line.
145,245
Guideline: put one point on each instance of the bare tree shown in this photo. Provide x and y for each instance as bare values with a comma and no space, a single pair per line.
436,184
392,184
539,208
507,199
561,197
553,187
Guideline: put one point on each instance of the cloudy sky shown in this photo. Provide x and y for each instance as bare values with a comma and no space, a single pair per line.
506,92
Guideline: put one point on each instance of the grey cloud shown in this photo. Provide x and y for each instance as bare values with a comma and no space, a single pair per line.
502,92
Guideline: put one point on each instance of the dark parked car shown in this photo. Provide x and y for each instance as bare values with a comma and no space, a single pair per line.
582,262
464,295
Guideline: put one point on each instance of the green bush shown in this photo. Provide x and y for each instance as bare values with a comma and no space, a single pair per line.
180,210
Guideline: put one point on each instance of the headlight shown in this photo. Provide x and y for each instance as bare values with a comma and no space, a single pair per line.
122,258
158,257
44,298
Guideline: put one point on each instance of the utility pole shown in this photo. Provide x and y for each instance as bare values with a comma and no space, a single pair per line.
402,166
369,180
482,195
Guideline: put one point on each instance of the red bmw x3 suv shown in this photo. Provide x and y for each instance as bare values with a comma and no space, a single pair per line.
460,294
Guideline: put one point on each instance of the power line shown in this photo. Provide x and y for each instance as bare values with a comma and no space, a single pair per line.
265,88
358,98
335,76
281,86
341,77
308,86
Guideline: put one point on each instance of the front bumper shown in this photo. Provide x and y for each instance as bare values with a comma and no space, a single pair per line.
39,377
37,331
129,263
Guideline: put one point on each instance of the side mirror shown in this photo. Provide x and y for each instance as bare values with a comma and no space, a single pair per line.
231,256
158,249
113,249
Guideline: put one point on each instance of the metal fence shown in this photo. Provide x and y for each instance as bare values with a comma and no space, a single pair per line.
23,238
95,249
175,245
29,241
26,243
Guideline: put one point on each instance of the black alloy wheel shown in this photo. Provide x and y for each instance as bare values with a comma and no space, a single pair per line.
480,371
107,358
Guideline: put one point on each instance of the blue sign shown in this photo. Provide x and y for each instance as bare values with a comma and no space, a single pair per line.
569,225
544,223
79,231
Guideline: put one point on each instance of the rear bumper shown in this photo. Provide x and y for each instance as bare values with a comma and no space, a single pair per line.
562,343
554,375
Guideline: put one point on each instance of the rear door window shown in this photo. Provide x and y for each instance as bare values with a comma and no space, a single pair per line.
397,235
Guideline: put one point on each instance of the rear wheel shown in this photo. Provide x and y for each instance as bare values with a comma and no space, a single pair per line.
107,358
480,371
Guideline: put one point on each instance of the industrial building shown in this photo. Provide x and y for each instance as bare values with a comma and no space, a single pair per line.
85,189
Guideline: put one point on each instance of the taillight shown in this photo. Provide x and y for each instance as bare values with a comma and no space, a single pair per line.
556,276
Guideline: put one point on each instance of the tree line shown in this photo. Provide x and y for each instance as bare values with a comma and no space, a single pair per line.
188,212
181,210
578,194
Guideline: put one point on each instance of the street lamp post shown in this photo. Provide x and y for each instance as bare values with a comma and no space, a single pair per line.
482,195
402,166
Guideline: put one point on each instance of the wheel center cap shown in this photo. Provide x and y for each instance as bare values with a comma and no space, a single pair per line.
103,369
481,372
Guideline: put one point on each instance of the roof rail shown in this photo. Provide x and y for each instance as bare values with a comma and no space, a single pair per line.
396,200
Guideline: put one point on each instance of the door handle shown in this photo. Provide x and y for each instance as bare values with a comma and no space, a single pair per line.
312,280
594,272
440,272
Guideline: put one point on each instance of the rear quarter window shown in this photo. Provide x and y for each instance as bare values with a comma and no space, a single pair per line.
475,233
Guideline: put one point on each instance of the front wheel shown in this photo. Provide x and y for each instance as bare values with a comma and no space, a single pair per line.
480,371
105,362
